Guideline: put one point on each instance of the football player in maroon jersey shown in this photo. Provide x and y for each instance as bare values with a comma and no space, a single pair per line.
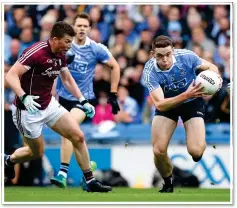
32,78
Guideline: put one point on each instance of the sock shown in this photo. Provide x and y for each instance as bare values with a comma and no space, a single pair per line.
196,159
8,161
88,175
168,180
63,169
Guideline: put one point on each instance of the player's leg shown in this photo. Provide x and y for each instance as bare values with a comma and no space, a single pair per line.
162,130
66,146
66,151
34,150
195,136
30,127
192,116
62,122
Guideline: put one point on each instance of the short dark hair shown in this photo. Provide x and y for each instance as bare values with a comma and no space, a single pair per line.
82,15
62,28
162,41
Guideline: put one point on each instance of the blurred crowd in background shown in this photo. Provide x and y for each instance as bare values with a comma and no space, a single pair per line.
128,31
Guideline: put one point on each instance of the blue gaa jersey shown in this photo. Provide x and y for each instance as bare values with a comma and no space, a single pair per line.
177,79
83,67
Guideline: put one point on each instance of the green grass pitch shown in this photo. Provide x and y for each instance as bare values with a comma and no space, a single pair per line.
53,194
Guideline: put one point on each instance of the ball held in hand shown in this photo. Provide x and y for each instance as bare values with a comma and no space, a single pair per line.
210,81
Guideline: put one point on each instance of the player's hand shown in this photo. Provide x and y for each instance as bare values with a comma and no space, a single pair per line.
90,110
221,80
229,86
114,103
195,90
30,104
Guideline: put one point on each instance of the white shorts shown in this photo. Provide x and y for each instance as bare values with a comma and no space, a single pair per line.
31,125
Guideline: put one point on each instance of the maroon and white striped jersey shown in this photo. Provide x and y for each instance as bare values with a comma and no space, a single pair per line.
43,67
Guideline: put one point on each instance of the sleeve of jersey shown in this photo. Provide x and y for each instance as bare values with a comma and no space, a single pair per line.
103,54
64,63
195,60
27,59
149,81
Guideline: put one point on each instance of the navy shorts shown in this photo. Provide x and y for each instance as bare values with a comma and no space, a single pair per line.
69,104
186,111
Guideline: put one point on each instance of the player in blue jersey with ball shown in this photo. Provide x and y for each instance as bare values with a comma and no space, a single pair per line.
82,59
169,76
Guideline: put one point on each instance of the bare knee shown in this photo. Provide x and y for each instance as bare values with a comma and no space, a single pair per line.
77,137
159,151
197,150
37,154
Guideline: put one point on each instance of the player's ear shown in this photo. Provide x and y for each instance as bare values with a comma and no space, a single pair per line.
152,53
74,26
173,50
54,38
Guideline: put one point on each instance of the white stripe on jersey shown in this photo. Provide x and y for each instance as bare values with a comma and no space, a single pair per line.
32,51
179,52
147,74
182,51
31,79
33,48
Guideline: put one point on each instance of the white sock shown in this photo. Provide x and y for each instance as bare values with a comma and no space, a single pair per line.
62,173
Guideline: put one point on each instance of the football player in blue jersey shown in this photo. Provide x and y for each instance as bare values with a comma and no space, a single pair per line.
169,76
82,59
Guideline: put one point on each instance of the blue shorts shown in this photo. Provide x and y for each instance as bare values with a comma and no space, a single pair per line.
69,104
186,111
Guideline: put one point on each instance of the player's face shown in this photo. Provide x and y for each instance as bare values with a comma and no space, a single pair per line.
82,28
163,57
63,44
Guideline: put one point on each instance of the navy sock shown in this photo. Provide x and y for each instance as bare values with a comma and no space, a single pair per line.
9,162
64,167
88,175
168,180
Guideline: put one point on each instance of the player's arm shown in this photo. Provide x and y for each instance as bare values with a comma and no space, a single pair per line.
115,73
13,78
70,84
115,77
104,56
206,65
165,104
54,91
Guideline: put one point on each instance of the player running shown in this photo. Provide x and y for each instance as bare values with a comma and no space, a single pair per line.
82,59
32,78
169,77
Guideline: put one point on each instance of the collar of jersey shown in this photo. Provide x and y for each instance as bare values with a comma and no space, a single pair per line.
159,70
87,42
